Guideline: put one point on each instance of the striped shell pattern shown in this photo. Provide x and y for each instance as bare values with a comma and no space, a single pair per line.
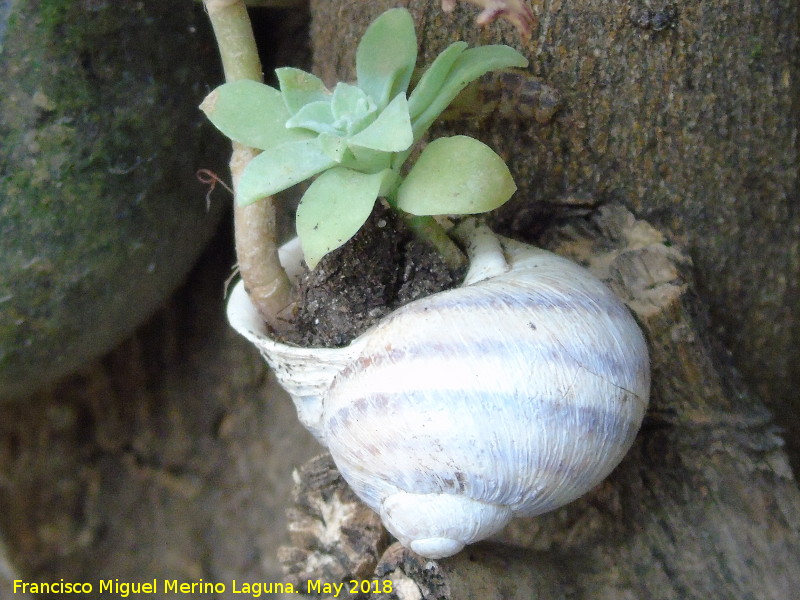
511,395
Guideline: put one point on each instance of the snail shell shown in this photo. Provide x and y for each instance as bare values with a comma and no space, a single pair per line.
511,395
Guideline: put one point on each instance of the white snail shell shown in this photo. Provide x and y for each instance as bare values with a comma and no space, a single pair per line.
509,396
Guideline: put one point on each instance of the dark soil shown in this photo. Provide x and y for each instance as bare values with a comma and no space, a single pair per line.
383,267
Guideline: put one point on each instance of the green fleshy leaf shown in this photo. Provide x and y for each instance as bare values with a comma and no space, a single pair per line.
470,65
333,209
390,132
432,79
316,116
366,160
456,175
390,181
333,145
281,167
299,88
251,113
386,56
351,107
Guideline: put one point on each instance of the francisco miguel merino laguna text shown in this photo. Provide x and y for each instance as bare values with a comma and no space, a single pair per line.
123,589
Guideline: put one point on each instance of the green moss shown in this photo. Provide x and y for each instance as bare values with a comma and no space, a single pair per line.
756,48
101,215
52,13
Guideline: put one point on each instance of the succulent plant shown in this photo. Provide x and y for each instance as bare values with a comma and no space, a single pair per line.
356,138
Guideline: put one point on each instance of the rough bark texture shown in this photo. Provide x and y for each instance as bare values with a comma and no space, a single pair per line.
686,112
484,571
705,505
334,536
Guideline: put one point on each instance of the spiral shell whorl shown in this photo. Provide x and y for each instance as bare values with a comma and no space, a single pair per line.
511,395
439,525
520,392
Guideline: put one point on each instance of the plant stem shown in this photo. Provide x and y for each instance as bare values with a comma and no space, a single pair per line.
256,240
429,229
425,227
